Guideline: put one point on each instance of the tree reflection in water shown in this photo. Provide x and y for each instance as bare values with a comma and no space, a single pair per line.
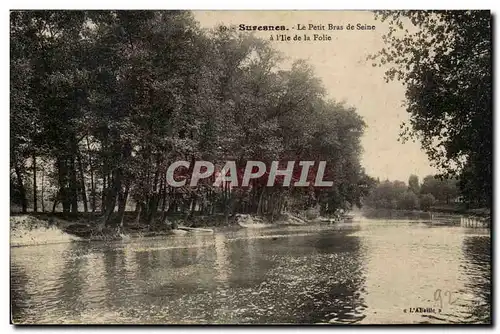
275,275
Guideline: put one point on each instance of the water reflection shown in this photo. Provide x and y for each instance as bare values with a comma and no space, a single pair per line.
477,267
20,299
412,266
222,264
362,273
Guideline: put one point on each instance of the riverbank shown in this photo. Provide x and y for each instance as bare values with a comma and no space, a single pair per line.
43,228
40,229
27,230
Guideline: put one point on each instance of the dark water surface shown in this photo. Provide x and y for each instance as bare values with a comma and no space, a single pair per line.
365,272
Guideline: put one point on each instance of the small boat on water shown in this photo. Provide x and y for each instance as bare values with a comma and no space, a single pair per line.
195,229
347,218
344,218
253,225
177,232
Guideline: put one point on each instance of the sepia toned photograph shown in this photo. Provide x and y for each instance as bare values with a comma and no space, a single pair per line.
186,167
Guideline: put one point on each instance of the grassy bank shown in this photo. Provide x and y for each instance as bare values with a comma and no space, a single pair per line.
45,228
26,230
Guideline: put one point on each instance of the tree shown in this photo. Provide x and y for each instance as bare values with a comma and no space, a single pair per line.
443,190
444,60
426,201
390,195
413,184
408,201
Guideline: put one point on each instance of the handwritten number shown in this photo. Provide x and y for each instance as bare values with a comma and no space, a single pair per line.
437,297
449,298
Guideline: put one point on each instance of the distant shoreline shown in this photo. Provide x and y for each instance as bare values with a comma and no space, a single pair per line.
369,212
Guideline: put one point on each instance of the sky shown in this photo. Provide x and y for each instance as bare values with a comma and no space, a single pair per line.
347,76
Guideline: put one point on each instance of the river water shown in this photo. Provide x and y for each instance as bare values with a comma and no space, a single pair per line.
367,272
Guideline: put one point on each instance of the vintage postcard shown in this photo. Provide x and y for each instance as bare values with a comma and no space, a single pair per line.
250,167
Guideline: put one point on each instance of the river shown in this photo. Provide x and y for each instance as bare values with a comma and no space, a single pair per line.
367,272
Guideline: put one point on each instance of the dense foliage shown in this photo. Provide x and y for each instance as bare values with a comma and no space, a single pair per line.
397,195
102,102
444,60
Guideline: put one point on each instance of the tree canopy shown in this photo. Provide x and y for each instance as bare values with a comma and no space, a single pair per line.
102,102
444,60
397,195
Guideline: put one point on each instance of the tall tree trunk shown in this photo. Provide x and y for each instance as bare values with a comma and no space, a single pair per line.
122,203
105,173
163,192
20,185
103,194
92,184
82,184
111,197
116,183
191,207
172,208
54,206
73,186
152,208
62,195
164,201
138,209
153,201
259,206
35,206
42,195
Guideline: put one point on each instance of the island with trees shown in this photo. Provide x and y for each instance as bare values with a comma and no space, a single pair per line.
102,102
